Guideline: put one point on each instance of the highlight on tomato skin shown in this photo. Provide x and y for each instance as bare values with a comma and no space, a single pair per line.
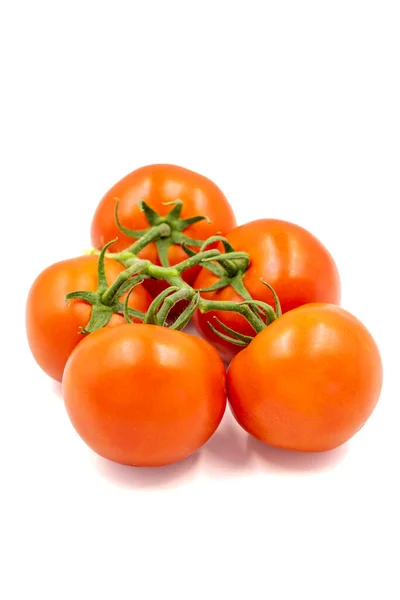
54,326
292,260
309,381
144,395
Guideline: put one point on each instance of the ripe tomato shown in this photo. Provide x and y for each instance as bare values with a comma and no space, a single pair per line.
289,258
53,325
156,185
144,395
307,382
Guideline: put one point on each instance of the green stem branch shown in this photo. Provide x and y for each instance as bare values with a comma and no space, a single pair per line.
155,233
258,314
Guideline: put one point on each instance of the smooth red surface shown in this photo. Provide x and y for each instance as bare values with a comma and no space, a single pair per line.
308,382
289,258
144,395
52,324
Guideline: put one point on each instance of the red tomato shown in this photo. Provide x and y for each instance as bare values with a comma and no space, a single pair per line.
156,185
144,395
307,382
53,325
289,258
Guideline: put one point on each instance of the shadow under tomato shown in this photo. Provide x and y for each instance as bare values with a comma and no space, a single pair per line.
145,477
291,461
57,388
227,450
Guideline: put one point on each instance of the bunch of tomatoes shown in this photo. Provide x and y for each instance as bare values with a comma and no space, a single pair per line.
303,374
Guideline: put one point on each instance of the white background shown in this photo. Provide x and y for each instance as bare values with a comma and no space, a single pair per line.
292,108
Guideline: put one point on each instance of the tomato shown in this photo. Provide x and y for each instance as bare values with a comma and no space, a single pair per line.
289,258
53,325
144,395
307,382
156,185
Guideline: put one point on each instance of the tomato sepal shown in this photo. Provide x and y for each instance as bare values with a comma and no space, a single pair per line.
237,338
164,230
151,315
105,301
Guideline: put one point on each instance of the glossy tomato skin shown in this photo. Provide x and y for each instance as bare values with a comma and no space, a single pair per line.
289,258
156,185
144,395
308,382
52,324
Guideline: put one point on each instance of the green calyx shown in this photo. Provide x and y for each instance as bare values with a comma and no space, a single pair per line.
229,267
105,301
164,231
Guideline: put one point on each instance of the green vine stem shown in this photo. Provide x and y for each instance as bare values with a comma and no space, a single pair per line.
258,314
229,267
